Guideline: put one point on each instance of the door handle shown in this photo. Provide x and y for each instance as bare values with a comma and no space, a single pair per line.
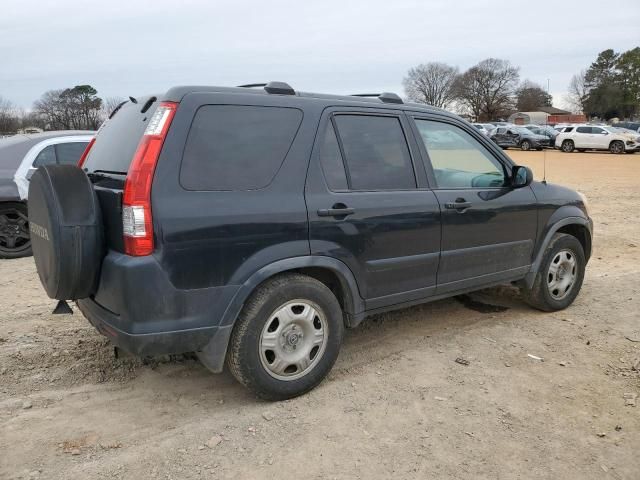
460,205
338,210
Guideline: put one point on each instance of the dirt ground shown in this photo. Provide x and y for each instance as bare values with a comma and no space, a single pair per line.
396,404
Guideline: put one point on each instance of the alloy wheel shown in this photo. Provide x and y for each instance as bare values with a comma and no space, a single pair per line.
14,231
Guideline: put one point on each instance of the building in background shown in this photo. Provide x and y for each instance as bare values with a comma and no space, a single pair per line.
546,116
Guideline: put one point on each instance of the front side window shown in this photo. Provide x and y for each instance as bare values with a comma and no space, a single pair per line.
597,130
375,152
458,159
237,147
70,153
46,157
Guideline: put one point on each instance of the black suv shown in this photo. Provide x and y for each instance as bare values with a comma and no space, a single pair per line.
256,224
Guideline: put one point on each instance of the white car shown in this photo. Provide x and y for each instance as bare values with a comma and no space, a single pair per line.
20,155
597,137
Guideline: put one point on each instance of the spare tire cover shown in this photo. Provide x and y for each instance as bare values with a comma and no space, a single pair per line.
66,231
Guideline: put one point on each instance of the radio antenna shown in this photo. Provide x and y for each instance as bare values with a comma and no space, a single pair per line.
544,153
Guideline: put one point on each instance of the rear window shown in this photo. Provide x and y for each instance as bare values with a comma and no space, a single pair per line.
237,147
118,138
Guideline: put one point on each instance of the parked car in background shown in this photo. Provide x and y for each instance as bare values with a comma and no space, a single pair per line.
544,130
519,137
20,155
634,126
485,128
595,137
253,226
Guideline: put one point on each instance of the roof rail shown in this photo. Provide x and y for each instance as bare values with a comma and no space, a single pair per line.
280,88
386,97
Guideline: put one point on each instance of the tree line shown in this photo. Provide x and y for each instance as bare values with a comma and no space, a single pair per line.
609,87
491,89
74,108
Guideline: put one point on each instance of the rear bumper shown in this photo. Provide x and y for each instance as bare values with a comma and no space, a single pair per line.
145,344
142,312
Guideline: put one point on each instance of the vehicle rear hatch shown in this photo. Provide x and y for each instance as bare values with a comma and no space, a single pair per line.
108,160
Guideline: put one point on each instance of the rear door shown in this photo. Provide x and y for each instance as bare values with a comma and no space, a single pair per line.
599,138
488,227
369,204
583,138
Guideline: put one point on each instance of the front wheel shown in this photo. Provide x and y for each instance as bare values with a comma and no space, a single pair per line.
15,241
287,337
560,275
525,145
616,147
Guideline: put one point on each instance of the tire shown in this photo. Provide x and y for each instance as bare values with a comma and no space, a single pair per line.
525,145
66,228
567,146
14,230
616,147
550,292
264,373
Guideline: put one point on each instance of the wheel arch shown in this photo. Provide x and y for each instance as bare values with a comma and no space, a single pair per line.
330,271
575,225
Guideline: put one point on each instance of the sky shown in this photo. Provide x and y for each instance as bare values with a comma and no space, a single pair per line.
136,47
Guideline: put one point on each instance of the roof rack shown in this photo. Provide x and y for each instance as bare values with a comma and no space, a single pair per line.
280,88
386,97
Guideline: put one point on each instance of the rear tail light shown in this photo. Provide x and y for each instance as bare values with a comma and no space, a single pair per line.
86,152
137,224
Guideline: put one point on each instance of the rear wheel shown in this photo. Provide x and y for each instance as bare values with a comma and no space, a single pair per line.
616,147
14,231
559,278
567,146
525,145
286,338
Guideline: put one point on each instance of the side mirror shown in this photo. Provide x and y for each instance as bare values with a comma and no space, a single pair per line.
521,176
30,173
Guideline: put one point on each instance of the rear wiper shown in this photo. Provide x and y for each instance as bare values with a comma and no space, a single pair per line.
100,175
112,172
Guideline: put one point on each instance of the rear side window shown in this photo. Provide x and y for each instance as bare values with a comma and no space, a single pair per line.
237,147
331,161
376,152
70,153
583,130
568,129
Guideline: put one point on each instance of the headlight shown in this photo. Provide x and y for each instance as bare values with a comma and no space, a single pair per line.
584,201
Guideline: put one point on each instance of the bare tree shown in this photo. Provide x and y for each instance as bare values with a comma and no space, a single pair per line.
9,116
578,92
431,83
487,89
110,104
530,96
